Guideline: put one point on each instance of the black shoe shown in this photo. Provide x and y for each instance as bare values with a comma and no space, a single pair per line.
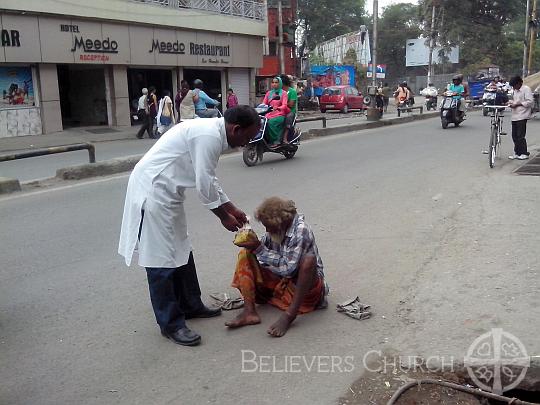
183,336
205,312
139,136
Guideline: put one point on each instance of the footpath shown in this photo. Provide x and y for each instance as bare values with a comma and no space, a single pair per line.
336,123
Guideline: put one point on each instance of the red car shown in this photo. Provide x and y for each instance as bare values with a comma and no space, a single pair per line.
342,98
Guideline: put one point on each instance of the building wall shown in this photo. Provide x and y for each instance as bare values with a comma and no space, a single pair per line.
271,62
129,11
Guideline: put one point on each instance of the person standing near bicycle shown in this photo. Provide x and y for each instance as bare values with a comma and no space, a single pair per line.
521,106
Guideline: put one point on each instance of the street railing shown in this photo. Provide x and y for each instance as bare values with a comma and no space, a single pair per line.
252,9
52,150
308,119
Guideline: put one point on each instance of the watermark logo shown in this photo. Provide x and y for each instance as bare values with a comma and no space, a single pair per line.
497,361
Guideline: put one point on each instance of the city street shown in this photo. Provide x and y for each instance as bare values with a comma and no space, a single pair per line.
46,166
410,218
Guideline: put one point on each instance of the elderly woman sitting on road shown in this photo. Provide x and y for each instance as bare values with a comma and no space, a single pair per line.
283,269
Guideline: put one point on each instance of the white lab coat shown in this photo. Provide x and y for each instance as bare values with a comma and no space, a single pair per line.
186,156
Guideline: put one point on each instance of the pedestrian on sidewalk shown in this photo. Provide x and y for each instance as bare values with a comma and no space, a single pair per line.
232,100
165,117
521,106
152,109
144,115
154,220
186,108
386,92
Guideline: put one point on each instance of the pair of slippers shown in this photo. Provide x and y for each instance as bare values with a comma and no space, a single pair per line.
226,302
355,309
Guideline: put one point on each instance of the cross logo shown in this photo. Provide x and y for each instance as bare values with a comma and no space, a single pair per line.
497,361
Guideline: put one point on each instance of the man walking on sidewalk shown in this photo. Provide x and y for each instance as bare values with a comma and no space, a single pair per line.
143,113
521,106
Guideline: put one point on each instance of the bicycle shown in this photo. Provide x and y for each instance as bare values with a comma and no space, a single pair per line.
496,132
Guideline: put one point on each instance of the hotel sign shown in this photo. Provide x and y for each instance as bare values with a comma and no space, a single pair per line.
70,40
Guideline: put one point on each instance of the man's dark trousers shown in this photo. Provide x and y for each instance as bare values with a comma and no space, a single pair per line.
519,130
174,293
146,124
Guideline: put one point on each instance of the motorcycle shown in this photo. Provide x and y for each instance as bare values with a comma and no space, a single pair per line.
430,95
253,152
450,112
431,103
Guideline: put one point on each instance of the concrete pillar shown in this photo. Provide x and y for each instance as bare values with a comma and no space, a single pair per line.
120,96
51,115
252,88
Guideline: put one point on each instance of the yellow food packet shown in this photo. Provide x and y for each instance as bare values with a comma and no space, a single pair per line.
245,235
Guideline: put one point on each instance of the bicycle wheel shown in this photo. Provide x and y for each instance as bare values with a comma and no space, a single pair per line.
492,146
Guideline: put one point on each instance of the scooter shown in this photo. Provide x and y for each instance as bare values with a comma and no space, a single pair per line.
431,103
450,110
253,152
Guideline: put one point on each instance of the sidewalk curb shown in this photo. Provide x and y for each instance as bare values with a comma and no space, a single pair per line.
127,163
314,133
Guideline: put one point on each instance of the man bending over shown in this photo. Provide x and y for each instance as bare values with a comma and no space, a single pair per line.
283,269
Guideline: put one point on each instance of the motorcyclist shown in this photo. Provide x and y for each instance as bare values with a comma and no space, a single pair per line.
430,93
402,94
457,90
200,106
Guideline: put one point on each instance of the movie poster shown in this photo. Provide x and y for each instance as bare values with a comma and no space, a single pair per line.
16,86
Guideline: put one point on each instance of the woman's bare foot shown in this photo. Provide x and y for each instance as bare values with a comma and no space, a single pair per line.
243,319
281,326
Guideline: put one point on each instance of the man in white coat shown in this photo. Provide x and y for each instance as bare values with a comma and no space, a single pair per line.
154,221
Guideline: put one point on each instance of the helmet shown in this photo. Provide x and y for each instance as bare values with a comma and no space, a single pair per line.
430,84
198,83
456,77
404,83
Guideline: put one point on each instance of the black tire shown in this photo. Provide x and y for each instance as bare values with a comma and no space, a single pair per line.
289,154
492,147
485,111
250,155
345,109
457,123
444,123
323,110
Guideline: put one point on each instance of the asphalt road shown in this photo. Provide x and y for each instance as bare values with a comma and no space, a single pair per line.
45,166
409,218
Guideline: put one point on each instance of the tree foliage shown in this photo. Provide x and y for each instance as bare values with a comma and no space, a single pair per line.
326,19
399,22
478,27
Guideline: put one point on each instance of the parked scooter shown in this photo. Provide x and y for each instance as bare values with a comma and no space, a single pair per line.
450,112
253,152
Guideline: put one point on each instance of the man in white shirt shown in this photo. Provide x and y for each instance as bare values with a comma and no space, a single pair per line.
143,114
154,221
521,106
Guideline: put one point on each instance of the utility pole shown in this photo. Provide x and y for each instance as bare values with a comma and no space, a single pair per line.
280,39
525,70
374,54
372,113
532,38
431,43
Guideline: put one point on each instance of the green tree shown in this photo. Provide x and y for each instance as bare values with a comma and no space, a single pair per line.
326,19
398,23
479,27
